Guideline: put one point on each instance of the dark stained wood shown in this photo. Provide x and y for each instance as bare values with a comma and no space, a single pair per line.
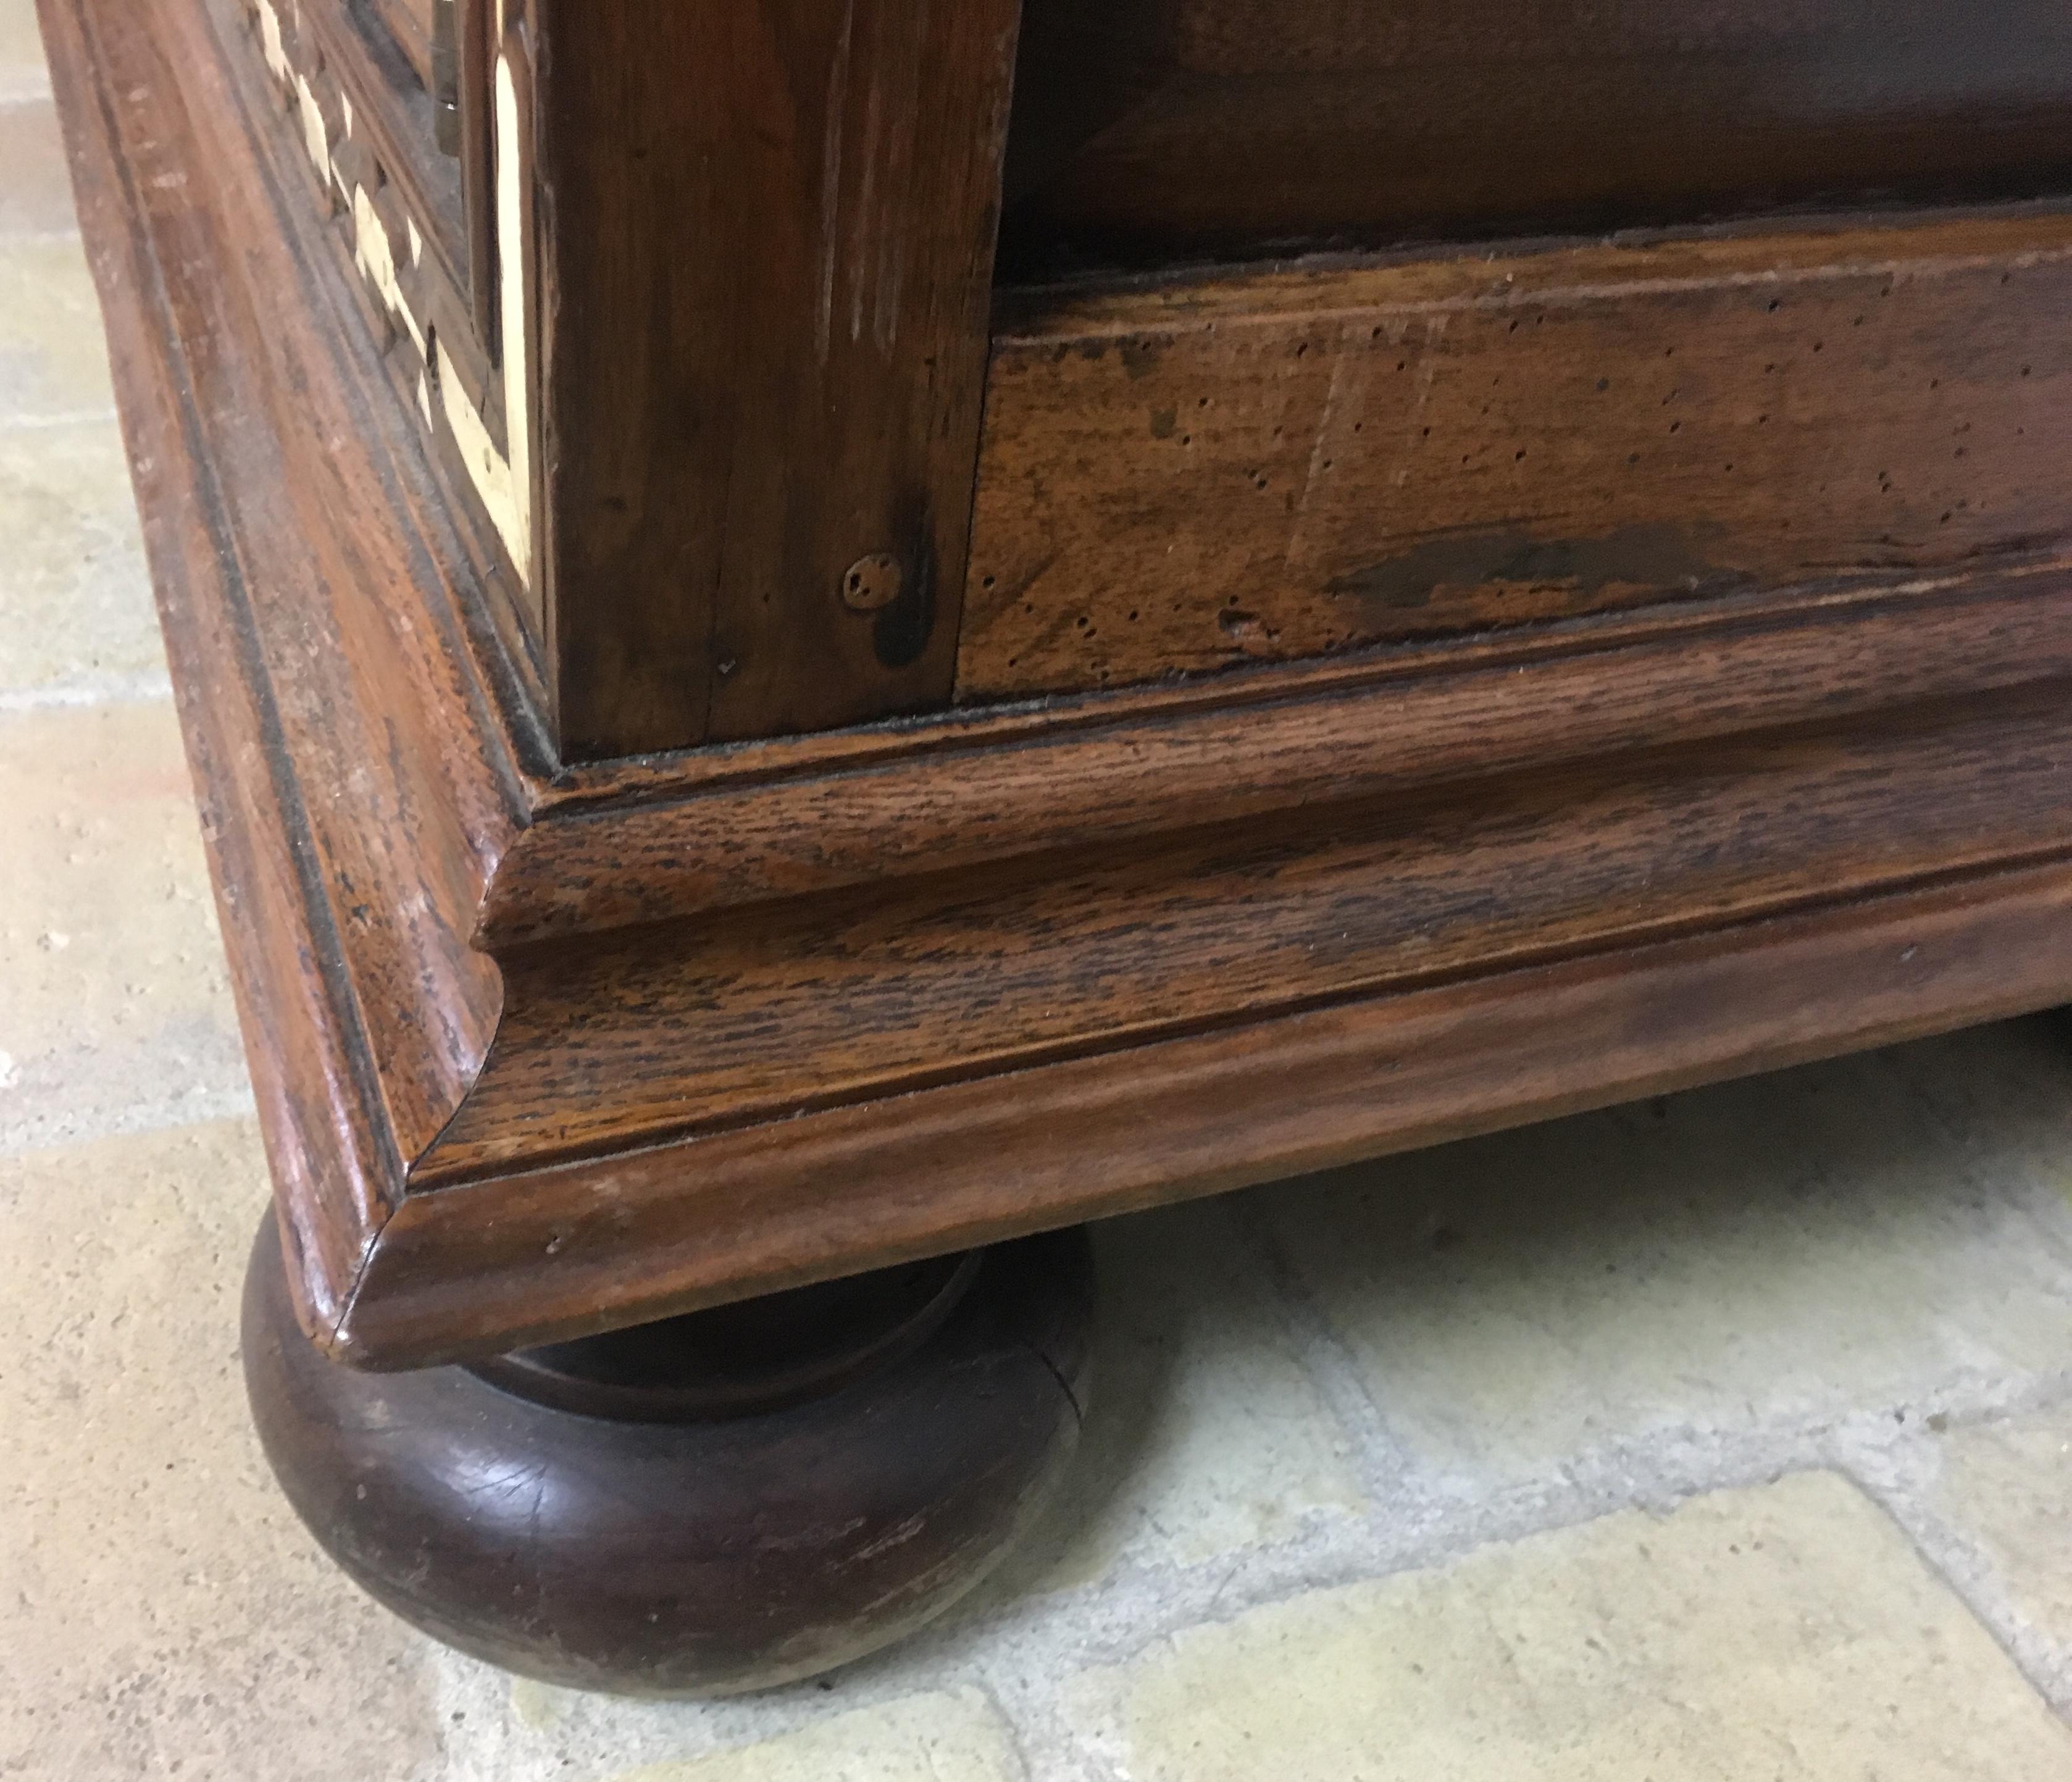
444,29
544,1049
751,1014
644,842
426,327
1149,129
625,847
1281,465
476,157
630,1546
765,243
768,1207
702,473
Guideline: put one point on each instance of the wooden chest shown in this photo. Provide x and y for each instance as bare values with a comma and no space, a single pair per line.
818,632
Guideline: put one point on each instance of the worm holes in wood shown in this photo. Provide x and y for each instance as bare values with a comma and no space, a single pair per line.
873,582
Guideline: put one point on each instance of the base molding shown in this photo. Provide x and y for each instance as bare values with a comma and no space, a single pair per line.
771,1206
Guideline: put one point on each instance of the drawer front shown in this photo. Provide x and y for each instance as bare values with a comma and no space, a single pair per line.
1279,466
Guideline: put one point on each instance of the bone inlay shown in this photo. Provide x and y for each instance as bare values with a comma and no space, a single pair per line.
501,481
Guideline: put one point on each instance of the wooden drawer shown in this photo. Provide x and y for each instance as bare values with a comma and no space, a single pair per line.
1202,473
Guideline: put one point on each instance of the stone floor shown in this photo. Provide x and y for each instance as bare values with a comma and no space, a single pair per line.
1722,1436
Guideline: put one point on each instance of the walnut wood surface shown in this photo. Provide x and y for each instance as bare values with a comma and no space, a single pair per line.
751,1015
542,1049
461,1270
347,143
1287,464
1148,128
627,848
628,1547
765,251
747,263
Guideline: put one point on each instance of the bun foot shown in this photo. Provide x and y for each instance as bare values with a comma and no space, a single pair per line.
723,1502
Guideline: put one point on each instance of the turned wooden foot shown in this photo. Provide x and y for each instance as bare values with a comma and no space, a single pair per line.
718,1502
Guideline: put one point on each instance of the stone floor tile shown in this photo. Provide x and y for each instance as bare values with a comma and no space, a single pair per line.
1785,1250
23,74
117,997
2007,1486
1784,1633
53,354
76,613
2000,1094
161,1611
35,189
1204,1436
943,1737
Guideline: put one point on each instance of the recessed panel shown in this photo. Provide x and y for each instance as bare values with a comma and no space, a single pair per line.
1145,130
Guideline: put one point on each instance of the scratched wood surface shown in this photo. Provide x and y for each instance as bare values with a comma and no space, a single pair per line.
1185,477
765,269
955,796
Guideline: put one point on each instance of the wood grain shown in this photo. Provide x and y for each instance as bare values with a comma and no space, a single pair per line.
751,1015
1153,130
1268,467
653,1555
955,796
393,107
544,1049
765,247
409,25
465,1270
365,169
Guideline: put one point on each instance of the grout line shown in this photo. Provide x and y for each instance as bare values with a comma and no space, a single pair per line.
1051,1747
1024,1655
22,1137
1030,1766
1900,1480
39,238
148,687
64,418
1380,1459
1427,1527
1024,1652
